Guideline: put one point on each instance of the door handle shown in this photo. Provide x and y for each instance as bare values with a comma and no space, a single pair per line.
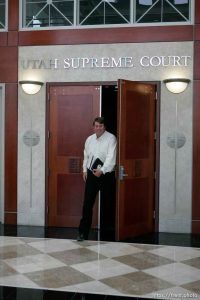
122,173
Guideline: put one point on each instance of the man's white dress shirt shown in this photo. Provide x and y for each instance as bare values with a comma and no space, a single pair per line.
104,148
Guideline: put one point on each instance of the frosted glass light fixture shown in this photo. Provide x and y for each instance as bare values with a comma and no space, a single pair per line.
176,85
31,87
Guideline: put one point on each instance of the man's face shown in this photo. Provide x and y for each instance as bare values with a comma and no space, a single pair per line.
99,129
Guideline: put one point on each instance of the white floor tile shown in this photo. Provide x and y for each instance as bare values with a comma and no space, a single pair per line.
33,263
54,245
103,268
9,241
110,249
18,280
175,273
177,253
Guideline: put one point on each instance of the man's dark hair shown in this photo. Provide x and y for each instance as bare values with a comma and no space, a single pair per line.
100,120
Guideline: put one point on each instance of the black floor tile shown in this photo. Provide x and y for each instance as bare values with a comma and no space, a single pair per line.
40,232
78,296
170,239
29,294
55,295
11,293
8,293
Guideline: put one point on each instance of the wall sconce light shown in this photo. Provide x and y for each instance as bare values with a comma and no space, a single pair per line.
176,85
31,87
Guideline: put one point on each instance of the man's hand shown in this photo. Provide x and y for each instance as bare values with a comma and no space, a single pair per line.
97,172
84,176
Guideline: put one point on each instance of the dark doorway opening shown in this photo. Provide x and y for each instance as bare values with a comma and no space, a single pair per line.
109,107
108,206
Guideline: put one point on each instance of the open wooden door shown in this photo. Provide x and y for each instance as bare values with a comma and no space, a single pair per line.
72,110
136,159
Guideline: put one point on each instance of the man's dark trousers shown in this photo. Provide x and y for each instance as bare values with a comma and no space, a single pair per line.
106,184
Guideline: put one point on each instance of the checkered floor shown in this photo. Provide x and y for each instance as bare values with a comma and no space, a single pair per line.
111,268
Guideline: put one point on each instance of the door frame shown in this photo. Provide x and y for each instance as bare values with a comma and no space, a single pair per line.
2,152
157,147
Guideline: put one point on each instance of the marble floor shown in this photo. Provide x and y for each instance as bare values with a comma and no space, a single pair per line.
62,268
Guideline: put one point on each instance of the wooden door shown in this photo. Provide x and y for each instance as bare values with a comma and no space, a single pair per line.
136,159
72,110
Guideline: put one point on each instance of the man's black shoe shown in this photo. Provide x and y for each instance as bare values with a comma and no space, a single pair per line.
80,238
